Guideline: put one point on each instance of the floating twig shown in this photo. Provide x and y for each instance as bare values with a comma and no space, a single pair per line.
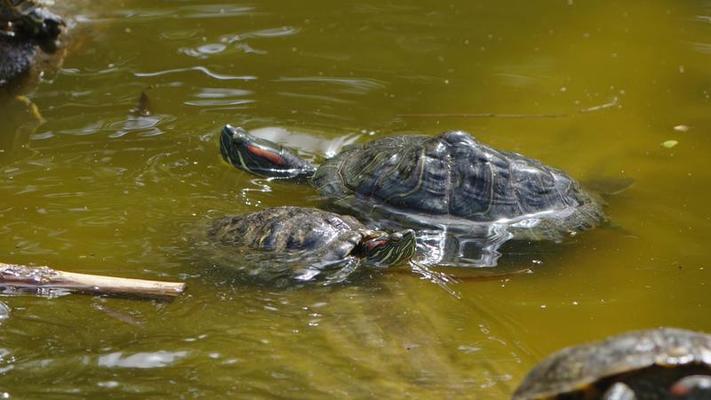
45,278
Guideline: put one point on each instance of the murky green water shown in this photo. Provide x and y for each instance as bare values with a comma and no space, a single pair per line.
96,190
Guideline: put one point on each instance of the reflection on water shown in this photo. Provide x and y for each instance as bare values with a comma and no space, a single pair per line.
310,145
95,189
157,359
4,311
20,118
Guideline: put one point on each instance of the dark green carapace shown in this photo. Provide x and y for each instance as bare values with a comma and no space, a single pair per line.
308,244
656,364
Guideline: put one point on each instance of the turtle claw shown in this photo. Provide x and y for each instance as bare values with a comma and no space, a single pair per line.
619,391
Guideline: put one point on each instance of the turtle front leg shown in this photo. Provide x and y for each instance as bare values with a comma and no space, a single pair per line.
619,391
332,263
262,157
341,270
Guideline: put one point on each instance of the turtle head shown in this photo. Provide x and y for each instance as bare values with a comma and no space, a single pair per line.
382,249
260,156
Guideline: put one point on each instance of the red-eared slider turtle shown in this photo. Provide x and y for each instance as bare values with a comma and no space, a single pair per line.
663,363
449,183
307,244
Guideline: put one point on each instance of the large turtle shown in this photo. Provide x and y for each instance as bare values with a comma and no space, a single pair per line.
664,363
306,244
446,183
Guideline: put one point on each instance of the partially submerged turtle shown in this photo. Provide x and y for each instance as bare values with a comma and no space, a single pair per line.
449,183
664,363
306,244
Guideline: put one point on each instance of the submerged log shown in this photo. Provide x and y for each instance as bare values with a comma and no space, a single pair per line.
24,277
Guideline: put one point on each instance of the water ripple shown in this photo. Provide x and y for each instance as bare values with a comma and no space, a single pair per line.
330,99
262,33
225,102
222,93
704,48
199,69
204,51
143,125
215,11
220,97
350,85
198,11
155,359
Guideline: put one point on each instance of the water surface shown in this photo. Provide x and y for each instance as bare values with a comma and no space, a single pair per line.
594,88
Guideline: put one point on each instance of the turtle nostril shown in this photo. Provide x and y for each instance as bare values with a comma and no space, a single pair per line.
229,131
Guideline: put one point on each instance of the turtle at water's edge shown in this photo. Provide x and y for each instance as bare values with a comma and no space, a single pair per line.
664,363
448,183
30,19
307,244
28,32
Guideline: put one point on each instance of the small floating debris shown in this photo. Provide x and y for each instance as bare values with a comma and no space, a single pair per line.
682,128
143,106
670,143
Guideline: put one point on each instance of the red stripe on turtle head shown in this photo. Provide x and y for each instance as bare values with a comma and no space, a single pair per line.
375,243
269,155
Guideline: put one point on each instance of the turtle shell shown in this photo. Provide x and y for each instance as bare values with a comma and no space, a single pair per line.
575,368
14,9
17,58
291,229
453,176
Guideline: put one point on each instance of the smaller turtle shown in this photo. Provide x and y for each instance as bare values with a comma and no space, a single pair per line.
302,243
664,363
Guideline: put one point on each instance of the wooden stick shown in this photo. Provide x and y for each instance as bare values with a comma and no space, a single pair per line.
39,278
